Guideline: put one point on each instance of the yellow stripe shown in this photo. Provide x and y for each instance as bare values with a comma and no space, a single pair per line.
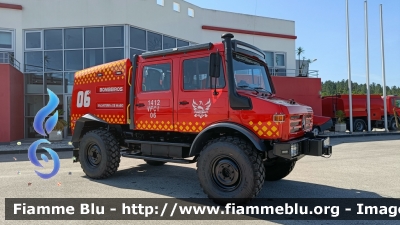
129,76
127,114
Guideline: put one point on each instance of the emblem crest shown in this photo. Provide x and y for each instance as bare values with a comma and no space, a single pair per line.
201,109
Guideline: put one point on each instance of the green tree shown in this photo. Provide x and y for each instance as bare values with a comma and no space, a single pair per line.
341,87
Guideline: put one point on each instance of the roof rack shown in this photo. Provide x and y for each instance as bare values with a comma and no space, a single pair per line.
170,51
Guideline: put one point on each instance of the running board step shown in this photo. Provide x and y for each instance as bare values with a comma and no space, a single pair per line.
187,145
184,161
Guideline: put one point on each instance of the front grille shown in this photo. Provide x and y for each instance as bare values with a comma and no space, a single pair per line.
300,122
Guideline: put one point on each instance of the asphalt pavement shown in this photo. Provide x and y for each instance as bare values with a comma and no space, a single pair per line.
360,167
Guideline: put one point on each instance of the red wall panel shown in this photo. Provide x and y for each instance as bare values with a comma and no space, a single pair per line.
4,103
16,104
12,104
302,89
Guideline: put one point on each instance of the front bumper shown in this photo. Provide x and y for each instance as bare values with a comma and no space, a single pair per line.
304,146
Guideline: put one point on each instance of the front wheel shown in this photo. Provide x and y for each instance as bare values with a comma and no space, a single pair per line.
278,170
230,170
100,154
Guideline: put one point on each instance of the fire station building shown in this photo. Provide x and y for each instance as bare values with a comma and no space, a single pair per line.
44,42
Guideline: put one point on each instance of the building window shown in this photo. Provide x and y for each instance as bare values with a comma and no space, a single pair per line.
33,61
157,77
68,82
93,57
33,103
94,37
33,40
113,54
176,7
54,82
73,60
269,58
169,42
276,62
53,61
73,38
138,38
190,12
195,75
53,39
34,83
160,2
181,43
154,41
53,56
114,36
6,38
280,59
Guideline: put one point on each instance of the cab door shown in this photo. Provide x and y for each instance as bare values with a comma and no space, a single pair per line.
153,109
197,105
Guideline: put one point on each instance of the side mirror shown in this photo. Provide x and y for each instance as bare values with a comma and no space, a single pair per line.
215,65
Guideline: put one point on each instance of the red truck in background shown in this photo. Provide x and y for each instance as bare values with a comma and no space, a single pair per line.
331,104
307,91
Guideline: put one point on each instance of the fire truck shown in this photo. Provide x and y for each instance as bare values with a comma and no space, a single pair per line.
210,104
331,104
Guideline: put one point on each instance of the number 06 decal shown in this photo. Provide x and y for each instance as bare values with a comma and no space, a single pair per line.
83,99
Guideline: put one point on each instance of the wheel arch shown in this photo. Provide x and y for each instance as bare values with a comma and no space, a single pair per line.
213,130
86,123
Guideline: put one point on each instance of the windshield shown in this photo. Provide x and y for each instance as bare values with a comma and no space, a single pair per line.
250,74
397,103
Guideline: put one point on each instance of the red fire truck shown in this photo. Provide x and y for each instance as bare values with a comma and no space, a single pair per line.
213,104
331,104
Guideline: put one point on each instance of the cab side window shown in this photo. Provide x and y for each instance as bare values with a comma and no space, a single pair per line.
196,77
397,103
156,77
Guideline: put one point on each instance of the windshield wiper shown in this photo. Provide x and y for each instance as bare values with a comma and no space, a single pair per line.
260,88
247,86
255,89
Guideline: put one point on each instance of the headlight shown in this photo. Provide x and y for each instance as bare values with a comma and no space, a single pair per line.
294,149
278,118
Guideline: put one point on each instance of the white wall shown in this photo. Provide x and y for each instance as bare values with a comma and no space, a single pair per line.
146,14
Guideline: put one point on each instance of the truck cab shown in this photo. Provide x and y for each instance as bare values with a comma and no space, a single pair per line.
213,104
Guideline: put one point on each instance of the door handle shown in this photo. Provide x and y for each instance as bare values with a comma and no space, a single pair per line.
140,105
183,102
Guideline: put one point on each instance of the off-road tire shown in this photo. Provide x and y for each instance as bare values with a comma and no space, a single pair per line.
154,163
278,170
359,125
230,154
107,145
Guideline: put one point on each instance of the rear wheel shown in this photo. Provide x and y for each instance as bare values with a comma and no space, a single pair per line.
154,163
230,170
393,125
278,170
359,125
100,154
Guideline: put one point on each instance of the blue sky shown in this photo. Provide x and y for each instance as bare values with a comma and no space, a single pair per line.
321,31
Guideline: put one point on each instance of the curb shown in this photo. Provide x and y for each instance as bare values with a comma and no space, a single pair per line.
37,151
359,135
